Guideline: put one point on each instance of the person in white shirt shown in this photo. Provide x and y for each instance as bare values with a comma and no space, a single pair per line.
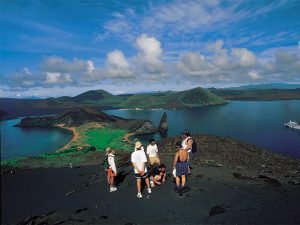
152,152
138,160
187,144
112,169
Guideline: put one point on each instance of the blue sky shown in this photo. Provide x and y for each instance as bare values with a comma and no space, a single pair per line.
65,47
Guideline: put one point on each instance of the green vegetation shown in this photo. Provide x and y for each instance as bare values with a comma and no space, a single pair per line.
102,138
192,98
94,143
199,96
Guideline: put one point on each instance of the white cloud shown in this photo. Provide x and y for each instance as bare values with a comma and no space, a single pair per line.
254,75
90,66
117,65
57,78
60,65
216,64
244,57
27,71
150,54
194,64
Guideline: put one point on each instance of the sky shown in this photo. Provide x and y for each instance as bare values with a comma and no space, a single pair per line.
53,48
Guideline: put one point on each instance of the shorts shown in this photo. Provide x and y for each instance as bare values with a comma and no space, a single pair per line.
181,168
138,176
111,173
153,160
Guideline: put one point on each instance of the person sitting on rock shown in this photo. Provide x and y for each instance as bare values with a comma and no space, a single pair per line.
158,175
112,169
180,165
152,152
138,160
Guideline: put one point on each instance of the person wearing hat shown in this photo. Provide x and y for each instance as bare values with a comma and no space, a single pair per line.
187,144
112,169
138,160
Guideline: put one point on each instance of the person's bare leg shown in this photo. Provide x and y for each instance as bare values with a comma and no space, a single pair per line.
183,180
147,182
177,182
112,181
138,184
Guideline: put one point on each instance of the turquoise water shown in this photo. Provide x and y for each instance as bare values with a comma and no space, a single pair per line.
257,122
16,141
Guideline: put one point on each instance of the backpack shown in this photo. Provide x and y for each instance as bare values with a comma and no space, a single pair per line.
194,146
105,164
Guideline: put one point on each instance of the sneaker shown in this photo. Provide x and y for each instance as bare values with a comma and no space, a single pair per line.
152,183
112,189
149,190
139,195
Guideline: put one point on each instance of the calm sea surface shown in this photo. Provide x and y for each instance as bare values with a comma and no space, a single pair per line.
16,141
258,122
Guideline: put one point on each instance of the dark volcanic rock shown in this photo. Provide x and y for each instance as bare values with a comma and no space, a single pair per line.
79,116
233,153
72,117
218,209
163,125
146,128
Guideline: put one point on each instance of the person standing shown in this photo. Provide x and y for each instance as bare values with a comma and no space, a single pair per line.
187,144
112,169
180,165
152,152
138,160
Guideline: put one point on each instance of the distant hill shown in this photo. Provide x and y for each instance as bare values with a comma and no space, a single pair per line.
199,96
100,99
96,96
182,99
258,94
266,86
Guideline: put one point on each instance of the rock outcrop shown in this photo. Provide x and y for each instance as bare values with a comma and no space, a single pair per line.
73,117
163,125
79,116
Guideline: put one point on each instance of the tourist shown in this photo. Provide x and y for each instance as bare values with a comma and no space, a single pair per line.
158,175
187,144
112,169
180,165
152,151
138,160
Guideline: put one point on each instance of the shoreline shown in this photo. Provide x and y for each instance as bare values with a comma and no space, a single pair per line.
73,131
127,136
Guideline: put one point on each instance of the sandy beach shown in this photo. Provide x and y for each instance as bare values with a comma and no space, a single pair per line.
75,135
221,191
127,136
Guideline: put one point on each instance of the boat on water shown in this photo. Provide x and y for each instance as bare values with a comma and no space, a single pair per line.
293,124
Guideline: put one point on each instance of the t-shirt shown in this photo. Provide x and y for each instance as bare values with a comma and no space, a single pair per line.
111,162
139,157
152,150
184,144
